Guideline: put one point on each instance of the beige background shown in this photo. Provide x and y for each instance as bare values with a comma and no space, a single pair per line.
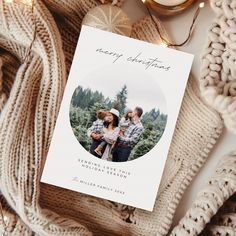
177,28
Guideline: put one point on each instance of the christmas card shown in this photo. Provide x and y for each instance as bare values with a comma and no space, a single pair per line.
117,118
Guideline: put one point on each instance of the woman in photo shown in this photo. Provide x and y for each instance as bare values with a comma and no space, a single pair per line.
111,132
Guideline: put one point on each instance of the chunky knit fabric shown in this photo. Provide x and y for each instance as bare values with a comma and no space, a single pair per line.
31,93
218,71
220,190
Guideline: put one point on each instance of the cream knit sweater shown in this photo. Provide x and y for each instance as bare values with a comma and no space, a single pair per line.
218,70
30,95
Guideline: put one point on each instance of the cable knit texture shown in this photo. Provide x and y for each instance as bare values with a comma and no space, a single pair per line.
32,92
218,71
220,190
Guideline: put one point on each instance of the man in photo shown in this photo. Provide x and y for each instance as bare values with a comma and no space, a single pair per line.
129,138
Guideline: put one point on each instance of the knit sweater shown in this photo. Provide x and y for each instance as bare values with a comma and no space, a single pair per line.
218,69
214,210
30,95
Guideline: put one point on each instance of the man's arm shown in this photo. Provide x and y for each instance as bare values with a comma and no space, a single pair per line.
134,137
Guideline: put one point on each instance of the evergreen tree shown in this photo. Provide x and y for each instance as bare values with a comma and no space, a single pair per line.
80,120
92,111
150,116
121,99
85,98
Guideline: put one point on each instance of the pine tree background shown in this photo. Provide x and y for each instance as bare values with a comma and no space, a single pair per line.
85,103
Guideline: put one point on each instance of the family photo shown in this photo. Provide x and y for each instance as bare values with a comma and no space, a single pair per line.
113,138
117,122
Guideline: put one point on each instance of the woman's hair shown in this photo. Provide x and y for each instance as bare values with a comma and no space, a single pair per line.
115,122
105,123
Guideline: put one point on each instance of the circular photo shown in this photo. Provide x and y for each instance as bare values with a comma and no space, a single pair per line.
118,114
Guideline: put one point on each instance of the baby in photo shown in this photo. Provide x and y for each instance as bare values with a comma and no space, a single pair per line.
126,120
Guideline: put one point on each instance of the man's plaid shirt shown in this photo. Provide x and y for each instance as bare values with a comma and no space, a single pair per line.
132,134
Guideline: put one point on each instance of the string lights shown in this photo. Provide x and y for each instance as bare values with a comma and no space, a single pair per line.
165,42
31,4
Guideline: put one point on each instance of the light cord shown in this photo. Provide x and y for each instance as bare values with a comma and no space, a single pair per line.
191,29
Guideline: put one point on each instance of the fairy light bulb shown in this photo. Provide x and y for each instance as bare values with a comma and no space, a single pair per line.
163,44
191,28
201,4
5,218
